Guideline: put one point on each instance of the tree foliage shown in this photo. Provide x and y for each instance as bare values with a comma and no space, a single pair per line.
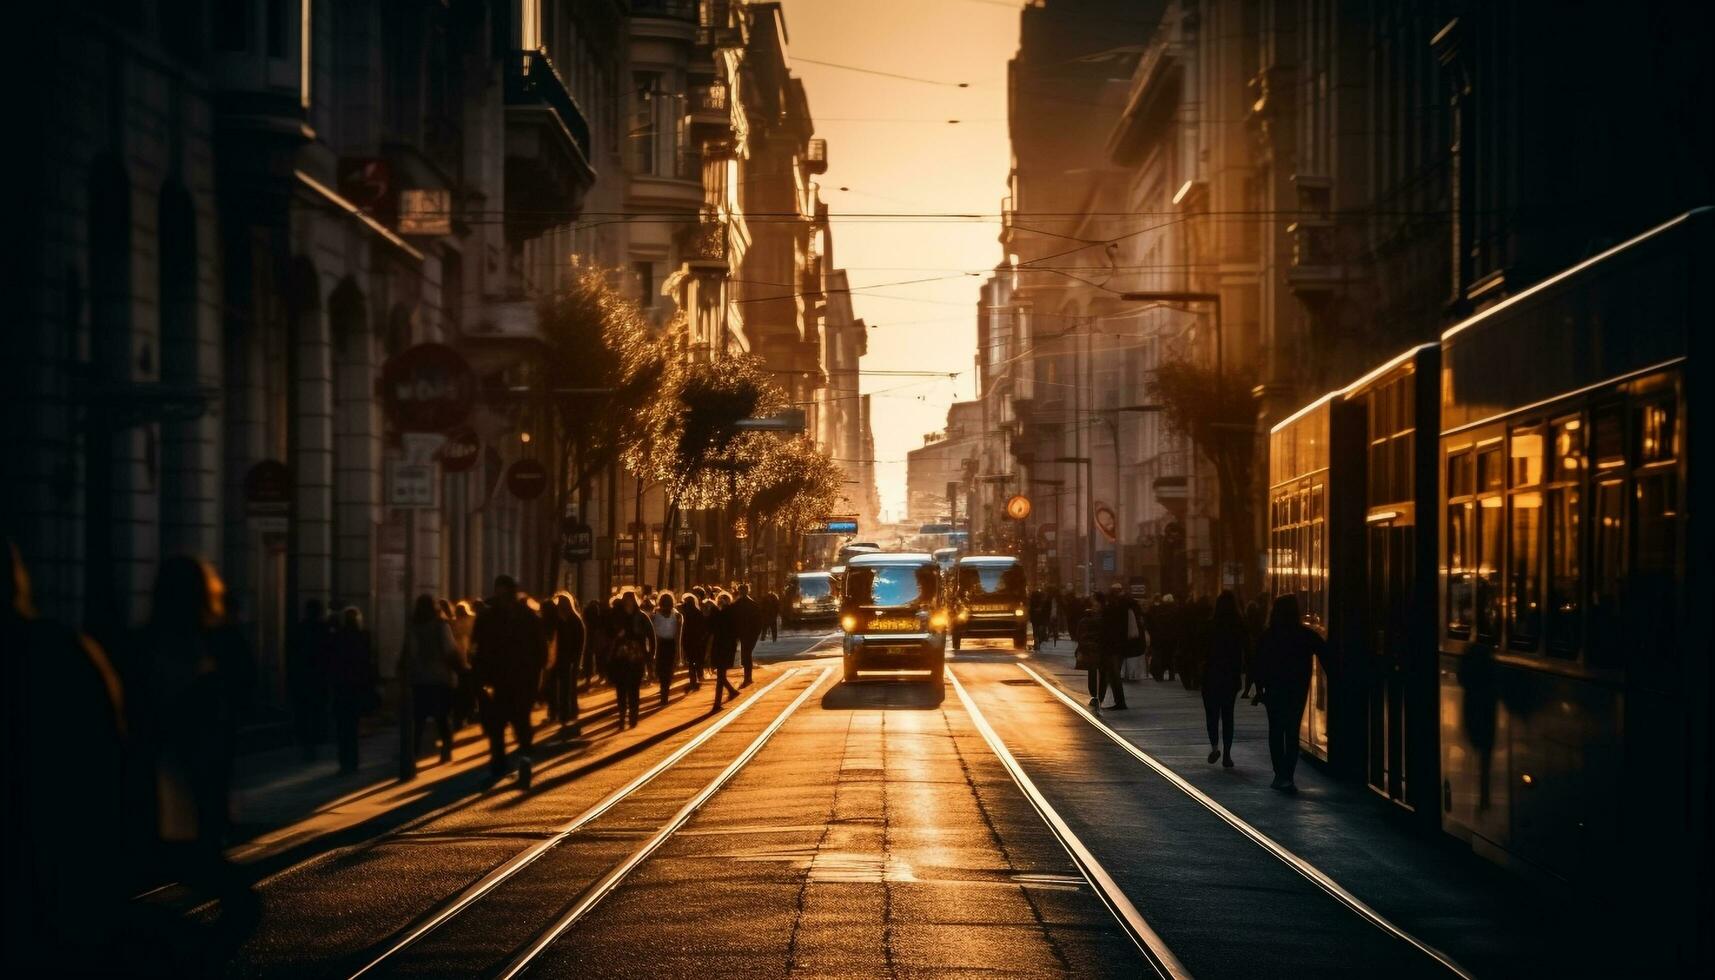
794,486
687,439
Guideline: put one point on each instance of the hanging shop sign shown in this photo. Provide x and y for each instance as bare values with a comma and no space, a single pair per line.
526,478
427,388
410,485
424,211
838,525
577,540
684,542
268,496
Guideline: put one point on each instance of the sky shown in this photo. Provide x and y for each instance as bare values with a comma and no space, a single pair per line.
896,169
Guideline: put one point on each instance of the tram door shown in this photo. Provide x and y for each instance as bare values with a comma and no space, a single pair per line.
1390,585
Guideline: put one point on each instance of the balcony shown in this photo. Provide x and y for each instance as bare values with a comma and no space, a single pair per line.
703,246
709,109
547,147
810,278
816,157
666,9
1314,270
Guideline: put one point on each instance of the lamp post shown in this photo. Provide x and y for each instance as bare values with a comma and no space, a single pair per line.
1089,517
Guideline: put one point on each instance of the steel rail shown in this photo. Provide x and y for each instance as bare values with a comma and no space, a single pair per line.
1304,868
529,855
1149,943
605,885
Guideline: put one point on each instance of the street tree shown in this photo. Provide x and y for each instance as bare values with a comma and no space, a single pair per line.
1215,411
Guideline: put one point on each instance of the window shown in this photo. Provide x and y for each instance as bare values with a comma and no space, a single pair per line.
646,92
1562,512
1607,560
993,580
645,272
1524,569
1486,591
1461,521
891,585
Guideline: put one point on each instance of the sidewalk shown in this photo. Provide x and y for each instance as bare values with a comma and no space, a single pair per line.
1492,922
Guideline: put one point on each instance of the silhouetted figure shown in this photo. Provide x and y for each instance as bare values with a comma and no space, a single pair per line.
306,684
65,859
1479,697
188,679
748,619
723,646
1090,653
1229,647
1122,637
509,653
352,680
1038,618
429,661
1255,621
1194,648
570,638
693,638
669,626
1284,657
1165,637
633,652
464,693
771,615
598,638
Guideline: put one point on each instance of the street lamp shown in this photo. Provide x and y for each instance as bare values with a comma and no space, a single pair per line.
1179,296
1089,518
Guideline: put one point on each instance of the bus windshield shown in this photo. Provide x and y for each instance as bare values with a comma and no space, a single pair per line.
813,586
991,580
891,585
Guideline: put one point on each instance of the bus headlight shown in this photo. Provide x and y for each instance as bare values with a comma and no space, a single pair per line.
938,620
964,615
1018,611
848,622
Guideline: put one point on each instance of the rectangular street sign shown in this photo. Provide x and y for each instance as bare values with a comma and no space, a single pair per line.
410,485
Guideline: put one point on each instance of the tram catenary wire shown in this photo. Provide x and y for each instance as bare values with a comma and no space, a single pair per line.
483,886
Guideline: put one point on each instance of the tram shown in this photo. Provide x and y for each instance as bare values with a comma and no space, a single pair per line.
1493,533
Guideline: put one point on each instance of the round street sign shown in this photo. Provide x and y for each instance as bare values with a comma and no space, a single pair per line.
460,452
1018,507
526,479
1105,520
427,388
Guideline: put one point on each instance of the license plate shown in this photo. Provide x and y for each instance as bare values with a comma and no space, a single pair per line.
893,625
993,609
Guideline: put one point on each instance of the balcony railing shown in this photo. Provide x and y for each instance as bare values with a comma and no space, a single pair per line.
533,80
710,98
671,9
816,157
1315,268
703,241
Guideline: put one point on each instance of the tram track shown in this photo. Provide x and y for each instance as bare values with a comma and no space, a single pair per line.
391,950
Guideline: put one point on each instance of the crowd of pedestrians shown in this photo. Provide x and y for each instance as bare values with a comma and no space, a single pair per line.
1220,649
146,725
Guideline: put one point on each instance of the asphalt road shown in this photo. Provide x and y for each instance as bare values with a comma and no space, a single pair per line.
825,830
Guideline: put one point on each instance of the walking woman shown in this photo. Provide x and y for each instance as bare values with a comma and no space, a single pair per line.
723,646
597,639
1090,654
1229,645
669,625
430,663
1283,659
633,647
693,638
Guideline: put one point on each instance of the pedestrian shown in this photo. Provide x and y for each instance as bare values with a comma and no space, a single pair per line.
306,684
1229,646
1163,624
633,650
569,641
1199,613
669,626
352,679
596,641
747,614
429,662
771,615
1087,656
63,770
509,654
1284,657
1255,620
1038,618
464,691
1122,638
188,679
693,639
723,646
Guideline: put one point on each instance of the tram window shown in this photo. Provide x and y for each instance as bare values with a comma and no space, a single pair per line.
1567,436
1526,456
1489,475
1460,523
1487,578
1655,567
1607,571
1607,443
1524,577
1657,433
1564,625
1459,475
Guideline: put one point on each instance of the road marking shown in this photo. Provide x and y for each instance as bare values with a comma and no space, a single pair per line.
1310,872
608,882
1154,950
518,862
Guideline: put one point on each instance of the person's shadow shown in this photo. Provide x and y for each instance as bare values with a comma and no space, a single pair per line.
885,695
